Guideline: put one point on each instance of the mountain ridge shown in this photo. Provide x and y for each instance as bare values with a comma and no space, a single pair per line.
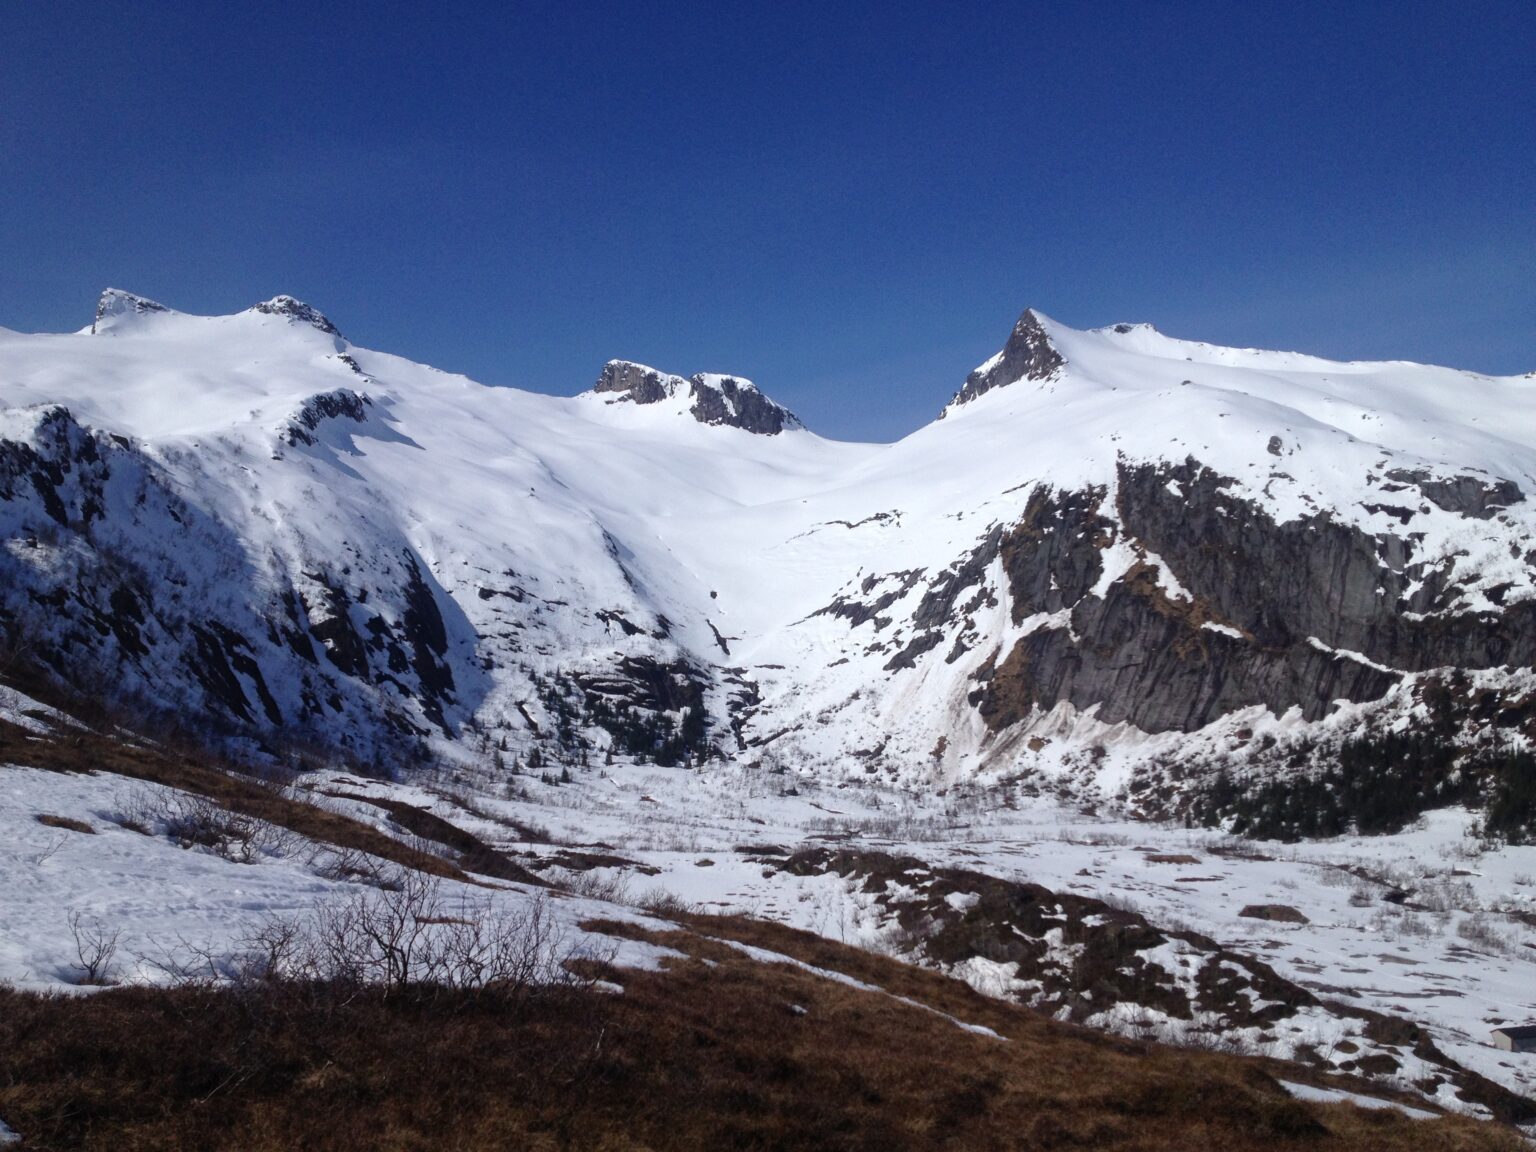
1114,550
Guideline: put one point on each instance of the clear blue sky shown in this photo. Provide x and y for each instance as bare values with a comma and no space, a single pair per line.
849,203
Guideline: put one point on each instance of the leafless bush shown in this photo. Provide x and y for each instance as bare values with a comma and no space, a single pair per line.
1120,902
353,865
595,885
95,949
899,941
136,809
51,849
664,902
192,821
409,934
1448,896
1479,929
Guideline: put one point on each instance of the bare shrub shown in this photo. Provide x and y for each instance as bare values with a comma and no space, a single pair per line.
1120,902
95,949
665,903
1448,896
407,934
1479,929
595,885
351,865
193,820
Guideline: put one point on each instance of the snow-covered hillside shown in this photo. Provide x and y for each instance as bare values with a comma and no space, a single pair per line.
1114,548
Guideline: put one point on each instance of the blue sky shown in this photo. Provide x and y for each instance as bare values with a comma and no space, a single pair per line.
848,203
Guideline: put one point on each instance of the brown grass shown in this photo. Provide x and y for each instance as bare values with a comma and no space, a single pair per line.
715,1051
701,1056
68,823
89,751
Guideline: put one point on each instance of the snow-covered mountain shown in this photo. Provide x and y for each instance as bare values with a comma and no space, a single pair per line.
1115,556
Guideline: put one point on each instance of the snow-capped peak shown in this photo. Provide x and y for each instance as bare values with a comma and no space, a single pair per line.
709,397
298,311
1028,355
116,307
638,382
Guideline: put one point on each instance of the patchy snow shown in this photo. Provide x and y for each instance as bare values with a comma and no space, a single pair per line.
764,956
1457,958
1339,1096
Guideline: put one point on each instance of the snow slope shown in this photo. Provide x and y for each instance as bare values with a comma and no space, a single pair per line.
315,543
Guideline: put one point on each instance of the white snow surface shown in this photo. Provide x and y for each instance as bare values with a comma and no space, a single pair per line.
708,538
1340,1096
583,504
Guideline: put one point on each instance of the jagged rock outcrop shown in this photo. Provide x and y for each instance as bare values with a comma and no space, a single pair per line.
1464,495
115,303
1028,355
715,399
1228,610
341,404
637,382
298,311
737,403
127,592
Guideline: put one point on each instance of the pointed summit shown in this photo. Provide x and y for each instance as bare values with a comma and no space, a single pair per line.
1028,355
298,311
115,306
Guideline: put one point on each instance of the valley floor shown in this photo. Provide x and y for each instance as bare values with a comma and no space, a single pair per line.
1432,927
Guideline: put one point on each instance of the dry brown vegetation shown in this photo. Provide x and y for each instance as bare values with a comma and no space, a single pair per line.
717,1051
201,774
68,823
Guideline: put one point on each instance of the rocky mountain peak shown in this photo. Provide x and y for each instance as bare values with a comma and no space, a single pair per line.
1028,355
116,304
736,402
717,399
296,310
638,382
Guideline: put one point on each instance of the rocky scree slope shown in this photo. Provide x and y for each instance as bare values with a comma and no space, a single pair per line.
1118,563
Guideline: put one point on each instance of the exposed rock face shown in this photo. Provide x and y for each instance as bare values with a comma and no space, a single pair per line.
1287,615
342,404
737,403
720,400
119,586
1028,355
1464,495
298,311
115,302
1078,957
642,384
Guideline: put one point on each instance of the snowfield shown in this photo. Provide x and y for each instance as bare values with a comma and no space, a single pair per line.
651,654
389,549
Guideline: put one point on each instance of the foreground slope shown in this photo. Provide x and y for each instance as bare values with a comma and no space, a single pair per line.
1114,548
1390,958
